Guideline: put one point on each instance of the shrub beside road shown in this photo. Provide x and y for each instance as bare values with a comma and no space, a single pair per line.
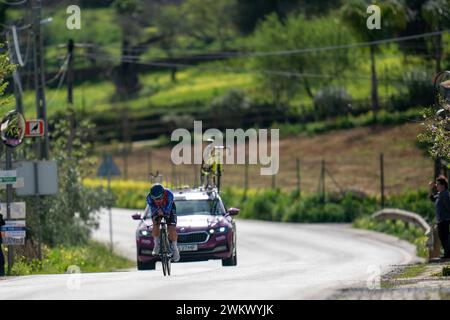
92,257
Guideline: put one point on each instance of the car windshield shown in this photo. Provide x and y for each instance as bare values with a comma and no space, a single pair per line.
199,207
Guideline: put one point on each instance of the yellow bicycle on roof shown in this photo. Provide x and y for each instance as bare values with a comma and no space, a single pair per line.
212,168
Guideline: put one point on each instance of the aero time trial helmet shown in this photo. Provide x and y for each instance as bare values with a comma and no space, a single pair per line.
157,191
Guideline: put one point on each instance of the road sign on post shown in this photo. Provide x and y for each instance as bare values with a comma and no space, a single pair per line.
18,184
46,174
8,177
17,210
108,169
14,232
34,128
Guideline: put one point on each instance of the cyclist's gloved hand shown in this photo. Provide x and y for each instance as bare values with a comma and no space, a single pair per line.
160,213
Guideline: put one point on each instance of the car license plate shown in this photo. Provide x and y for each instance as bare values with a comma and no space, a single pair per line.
187,247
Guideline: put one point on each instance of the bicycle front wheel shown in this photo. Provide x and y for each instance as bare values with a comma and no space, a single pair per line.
165,259
164,262
168,265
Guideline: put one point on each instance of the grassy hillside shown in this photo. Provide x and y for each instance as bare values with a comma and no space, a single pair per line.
195,88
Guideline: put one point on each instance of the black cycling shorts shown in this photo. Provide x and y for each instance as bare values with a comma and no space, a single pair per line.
171,220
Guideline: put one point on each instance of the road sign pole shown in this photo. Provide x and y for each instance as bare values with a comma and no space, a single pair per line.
9,195
110,216
38,208
108,169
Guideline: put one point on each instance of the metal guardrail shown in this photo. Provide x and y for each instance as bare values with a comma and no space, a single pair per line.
430,232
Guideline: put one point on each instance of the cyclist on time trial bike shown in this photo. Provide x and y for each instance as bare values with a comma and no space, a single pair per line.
160,202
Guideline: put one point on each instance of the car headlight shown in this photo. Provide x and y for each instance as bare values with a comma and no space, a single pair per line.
144,233
218,230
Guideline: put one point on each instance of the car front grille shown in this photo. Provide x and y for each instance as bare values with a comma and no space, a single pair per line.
195,237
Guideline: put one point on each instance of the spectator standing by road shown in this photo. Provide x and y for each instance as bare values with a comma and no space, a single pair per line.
2,257
441,200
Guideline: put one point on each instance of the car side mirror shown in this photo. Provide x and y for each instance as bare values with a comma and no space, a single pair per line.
136,216
233,211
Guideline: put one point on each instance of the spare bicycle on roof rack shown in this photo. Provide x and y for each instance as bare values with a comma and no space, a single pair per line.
211,170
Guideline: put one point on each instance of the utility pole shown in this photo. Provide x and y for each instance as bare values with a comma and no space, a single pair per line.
299,190
9,198
70,75
126,141
70,47
42,144
39,77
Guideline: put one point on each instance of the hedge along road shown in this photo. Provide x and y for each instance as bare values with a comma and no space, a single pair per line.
275,261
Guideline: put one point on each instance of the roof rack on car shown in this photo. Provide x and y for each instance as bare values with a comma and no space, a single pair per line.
212,192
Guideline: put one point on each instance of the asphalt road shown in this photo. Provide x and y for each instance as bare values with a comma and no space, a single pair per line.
275,261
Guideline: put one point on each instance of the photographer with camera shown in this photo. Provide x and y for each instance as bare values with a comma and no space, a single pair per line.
440,195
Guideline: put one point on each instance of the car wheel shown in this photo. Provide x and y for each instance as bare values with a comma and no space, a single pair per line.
146,265
231,261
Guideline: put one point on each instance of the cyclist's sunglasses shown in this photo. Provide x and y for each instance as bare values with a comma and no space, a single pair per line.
157,198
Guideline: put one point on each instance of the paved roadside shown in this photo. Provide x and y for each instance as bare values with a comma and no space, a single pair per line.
422,281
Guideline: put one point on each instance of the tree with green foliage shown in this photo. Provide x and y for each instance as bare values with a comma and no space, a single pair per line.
172,21
393,19
136,18
68,217
162,23
3,9
250,12
436,133
437,15
426,16
6,68
228,110
285,74
332,101
209,20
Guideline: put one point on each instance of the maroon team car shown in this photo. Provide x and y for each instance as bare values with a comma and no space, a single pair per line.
206,230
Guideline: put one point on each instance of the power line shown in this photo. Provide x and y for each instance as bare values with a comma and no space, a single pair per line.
17,47
213,56
138,57
228,54
344,46
60,83
26,26
61,70
284,73
17,3
16,78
